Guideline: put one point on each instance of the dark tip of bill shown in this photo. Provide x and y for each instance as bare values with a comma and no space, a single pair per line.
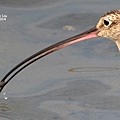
2,84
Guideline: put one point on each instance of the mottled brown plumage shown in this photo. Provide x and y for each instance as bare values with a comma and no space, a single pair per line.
109,26
112,12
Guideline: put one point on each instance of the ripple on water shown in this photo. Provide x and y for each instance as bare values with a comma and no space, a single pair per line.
5,118
77,89
4,108
93,69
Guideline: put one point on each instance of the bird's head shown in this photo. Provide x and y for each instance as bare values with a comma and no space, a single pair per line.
109,26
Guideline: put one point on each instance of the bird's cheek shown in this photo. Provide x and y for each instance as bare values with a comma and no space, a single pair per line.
102,34
118,34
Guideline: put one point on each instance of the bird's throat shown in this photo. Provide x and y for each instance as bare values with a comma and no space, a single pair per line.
118,44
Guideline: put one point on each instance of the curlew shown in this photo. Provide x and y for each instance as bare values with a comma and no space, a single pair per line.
108,26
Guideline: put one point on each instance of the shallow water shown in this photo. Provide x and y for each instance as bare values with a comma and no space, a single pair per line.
80,82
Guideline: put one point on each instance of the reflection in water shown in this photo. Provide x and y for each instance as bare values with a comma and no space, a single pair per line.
92,69
4,107
69,28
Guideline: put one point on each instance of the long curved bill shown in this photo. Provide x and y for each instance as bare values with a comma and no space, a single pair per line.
92,33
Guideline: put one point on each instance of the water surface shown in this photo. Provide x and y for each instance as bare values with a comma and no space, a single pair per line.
48,90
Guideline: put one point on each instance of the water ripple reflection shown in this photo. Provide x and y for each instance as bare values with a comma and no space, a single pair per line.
93,69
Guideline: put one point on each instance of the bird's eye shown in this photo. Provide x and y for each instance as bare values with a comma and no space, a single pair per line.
106,23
